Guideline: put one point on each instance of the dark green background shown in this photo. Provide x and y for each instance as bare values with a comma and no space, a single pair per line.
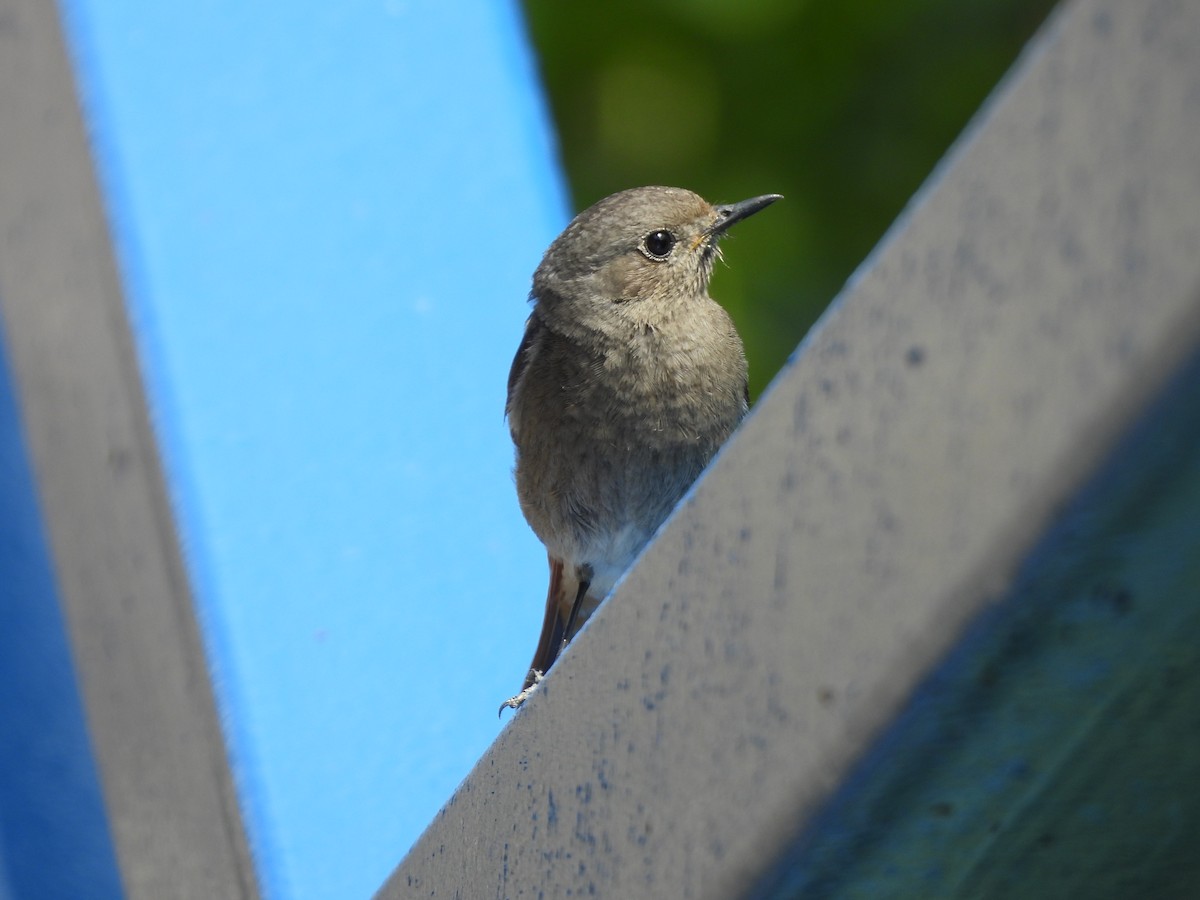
844,107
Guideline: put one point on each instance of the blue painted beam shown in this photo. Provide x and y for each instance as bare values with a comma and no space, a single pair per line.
326,217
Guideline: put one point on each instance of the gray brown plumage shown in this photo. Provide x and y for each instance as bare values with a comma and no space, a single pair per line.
627,381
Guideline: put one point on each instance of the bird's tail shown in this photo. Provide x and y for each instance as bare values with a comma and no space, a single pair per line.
564,589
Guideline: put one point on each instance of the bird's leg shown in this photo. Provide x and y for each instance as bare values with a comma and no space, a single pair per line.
584,574
515,702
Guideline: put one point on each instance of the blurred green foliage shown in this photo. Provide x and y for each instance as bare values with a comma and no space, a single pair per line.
843,107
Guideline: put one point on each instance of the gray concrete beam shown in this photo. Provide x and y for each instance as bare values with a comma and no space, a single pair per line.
143,676
883,498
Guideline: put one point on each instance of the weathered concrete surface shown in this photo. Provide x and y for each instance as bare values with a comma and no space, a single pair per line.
150,711
990,355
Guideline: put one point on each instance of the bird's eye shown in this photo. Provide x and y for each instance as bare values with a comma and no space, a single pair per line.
658,244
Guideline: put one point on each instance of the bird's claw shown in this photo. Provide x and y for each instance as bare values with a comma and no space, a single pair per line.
519,699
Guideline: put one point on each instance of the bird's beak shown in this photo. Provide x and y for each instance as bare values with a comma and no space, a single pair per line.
729,213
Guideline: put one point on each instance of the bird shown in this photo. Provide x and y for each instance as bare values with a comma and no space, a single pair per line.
627,381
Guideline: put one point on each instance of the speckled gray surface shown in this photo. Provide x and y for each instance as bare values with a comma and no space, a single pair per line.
1038,293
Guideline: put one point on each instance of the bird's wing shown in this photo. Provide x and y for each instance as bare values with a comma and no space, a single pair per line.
525,352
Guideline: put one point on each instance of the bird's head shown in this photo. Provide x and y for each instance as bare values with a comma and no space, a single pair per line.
654,244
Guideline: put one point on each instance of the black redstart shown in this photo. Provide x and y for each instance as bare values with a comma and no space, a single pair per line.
628,379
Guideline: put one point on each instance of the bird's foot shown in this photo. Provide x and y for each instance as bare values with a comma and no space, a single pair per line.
517,701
